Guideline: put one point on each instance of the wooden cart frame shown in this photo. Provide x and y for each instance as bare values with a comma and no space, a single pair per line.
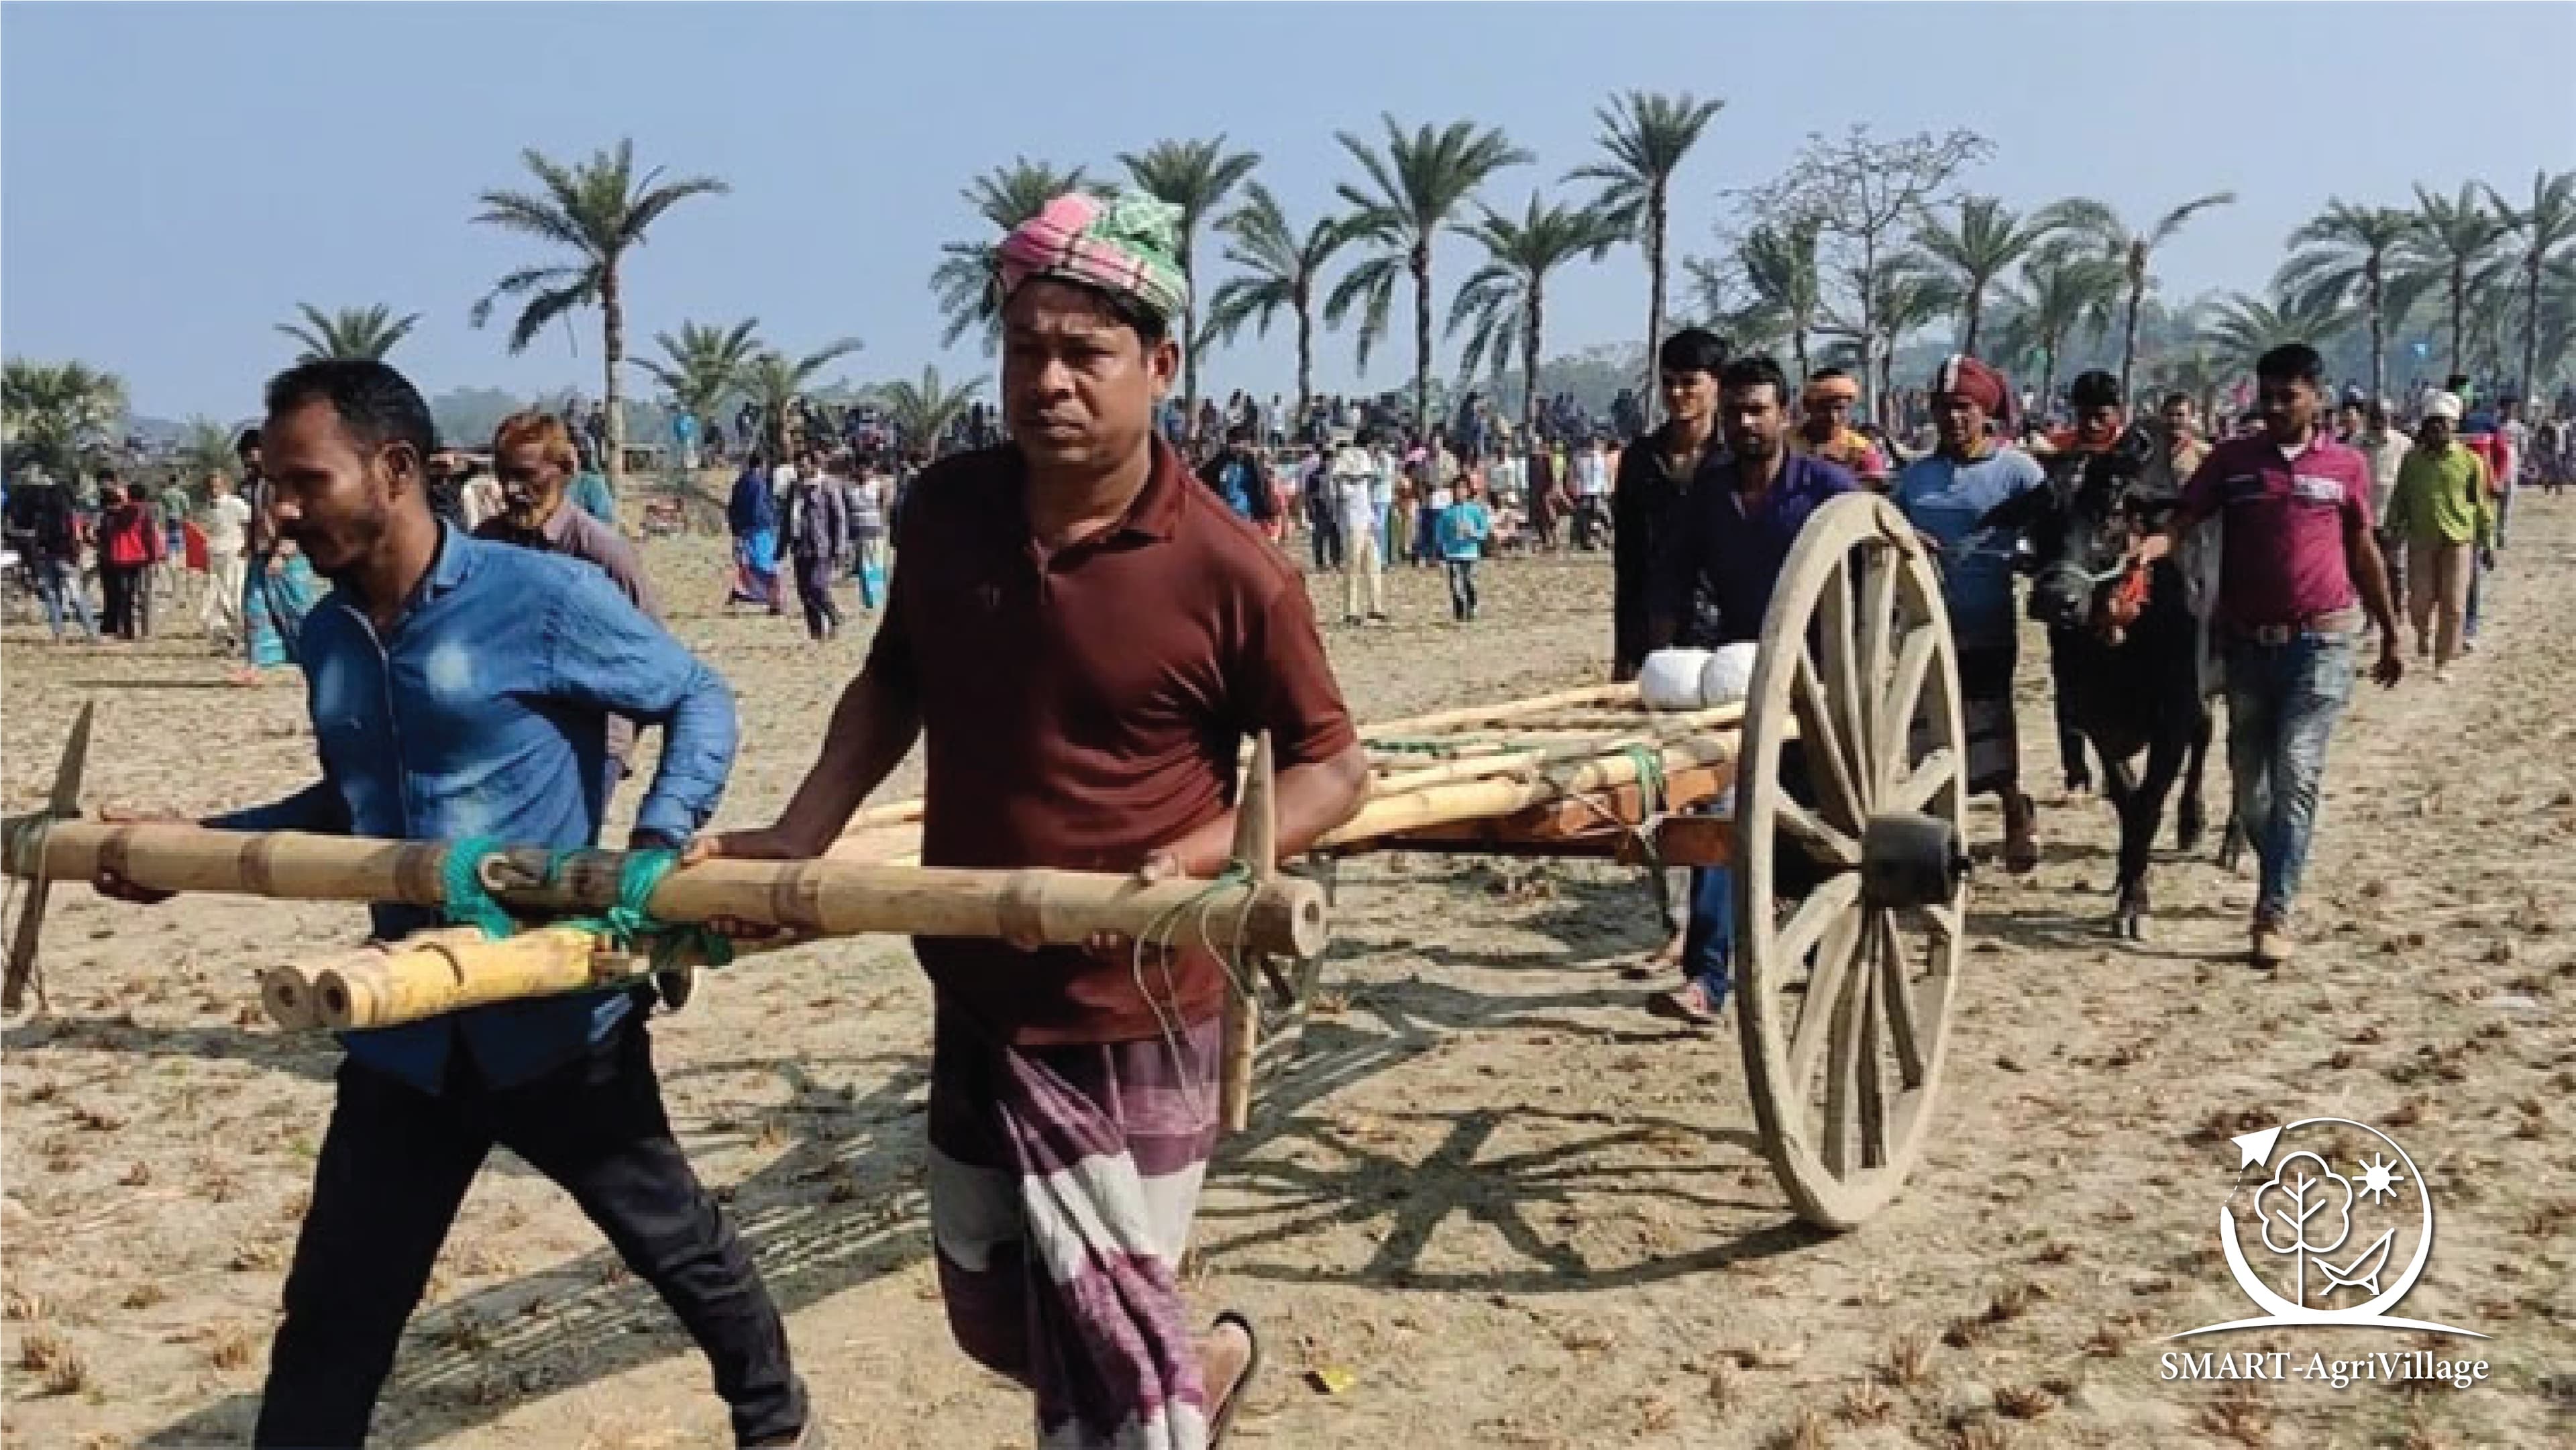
1848,757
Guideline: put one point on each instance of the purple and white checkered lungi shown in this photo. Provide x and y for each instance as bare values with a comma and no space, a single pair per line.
1062,1184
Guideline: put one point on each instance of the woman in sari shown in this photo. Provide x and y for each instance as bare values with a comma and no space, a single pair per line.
752,515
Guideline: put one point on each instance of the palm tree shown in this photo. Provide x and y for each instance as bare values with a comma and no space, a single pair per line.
1194,176
2244,328
1910,295
2063,288
2544,229
1987,242
1505,301
2340,259
1280,272
1415,186
705,363
2450,239
1644,138
774,381
967,276
922,412
1780,270
351,333
57,414
598,211
2131,249
205,448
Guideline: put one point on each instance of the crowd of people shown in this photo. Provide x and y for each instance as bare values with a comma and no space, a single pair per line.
1083,624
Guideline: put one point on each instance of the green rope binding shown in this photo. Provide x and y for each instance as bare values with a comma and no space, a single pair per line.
1650,778
627,924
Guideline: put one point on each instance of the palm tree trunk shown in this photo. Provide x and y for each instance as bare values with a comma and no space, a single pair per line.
1868,331
1305,304
1421,265
2048,373
1529,357
2459,316
2129,330
2378,331
1798,350
2531,337
1189,336
612,326
1655,223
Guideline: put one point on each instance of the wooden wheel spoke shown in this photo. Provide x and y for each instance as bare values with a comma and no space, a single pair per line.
1852,1072
1824,906
1843,802
1932,774
1914,659
1837,941
1877,621
1896,991
1821,842
1944,919
1840,670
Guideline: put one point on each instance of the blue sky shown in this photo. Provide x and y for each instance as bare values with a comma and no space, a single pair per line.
174,179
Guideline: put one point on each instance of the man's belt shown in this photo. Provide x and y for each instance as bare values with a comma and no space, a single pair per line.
2333,624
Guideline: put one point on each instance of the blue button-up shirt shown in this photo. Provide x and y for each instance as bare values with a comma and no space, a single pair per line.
483,712
1730,556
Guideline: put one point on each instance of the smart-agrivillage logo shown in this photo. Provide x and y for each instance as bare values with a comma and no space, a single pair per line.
2337,1227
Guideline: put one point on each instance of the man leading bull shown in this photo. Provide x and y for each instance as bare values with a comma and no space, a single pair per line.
2298,567
1082,636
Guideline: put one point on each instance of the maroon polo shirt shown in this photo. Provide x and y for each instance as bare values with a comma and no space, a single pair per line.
1080,709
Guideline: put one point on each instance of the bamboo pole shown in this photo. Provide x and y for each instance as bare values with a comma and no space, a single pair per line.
1387,815
1256,843
829,898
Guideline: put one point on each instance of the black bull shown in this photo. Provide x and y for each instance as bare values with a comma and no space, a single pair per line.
2125,646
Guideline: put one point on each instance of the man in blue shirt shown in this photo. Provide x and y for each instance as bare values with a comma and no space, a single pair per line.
460,688
1946,495
1725,542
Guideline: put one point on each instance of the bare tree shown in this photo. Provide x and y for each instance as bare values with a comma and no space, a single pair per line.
1859,194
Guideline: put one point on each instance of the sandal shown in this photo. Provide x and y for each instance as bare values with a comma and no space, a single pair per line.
1224,1418
1688,1003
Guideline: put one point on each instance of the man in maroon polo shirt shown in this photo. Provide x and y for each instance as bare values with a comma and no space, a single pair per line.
1083,636
2298,540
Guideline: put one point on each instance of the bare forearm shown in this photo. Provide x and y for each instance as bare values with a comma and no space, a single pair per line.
2370,572
873,728
1312,799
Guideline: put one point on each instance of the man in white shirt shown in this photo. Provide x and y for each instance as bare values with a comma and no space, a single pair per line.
1382,483
1354,482
2384,448
1591,493
226,524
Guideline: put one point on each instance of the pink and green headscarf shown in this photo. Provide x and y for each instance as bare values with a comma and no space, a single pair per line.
1127,245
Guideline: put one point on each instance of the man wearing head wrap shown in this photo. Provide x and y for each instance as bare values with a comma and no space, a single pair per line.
1946,494
1082,634
1825,430
2440,512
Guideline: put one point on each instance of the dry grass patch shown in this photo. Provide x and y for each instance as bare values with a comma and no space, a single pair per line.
57,1366
2238,1416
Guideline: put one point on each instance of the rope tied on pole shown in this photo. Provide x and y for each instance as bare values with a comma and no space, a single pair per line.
627,925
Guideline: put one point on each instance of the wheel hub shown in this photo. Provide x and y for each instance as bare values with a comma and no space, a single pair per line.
1910,859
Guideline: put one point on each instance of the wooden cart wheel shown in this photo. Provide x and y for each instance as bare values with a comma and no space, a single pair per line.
1846,987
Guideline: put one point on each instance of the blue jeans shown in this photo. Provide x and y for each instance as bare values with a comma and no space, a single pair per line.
2282,703
2477,571
1708,942
59,581
1385,540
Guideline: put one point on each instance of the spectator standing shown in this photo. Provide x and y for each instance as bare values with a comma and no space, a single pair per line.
2299,565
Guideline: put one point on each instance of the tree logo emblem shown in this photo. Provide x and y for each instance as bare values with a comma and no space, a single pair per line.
2328,1219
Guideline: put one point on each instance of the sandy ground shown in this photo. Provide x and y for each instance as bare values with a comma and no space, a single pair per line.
1515,1210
